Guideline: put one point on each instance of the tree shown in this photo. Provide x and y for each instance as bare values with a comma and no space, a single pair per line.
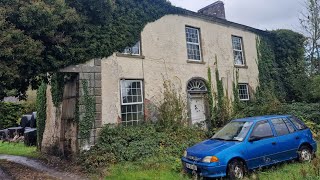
43,36
310,22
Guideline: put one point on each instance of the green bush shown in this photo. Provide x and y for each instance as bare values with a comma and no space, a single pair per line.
10,113
140,143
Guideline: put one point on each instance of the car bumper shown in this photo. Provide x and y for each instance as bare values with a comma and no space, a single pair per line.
213,170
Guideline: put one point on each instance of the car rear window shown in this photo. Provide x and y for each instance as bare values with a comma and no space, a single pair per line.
298,123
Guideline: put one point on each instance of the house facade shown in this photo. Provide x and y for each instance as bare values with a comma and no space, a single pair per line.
180,49
175,48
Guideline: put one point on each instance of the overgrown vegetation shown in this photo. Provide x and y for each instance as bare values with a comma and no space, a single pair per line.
44,36
41,112
161,142
10,113
86,122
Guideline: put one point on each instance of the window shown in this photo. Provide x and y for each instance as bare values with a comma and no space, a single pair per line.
298,123
289,125
238,50
280,127
243,92
134,50
262,130
197,86
131,102
193,43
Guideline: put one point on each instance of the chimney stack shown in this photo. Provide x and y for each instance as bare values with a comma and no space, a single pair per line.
215,9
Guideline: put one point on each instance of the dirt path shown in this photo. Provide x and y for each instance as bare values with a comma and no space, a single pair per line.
18,167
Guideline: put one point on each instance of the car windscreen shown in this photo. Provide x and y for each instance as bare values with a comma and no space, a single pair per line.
233,131
298,123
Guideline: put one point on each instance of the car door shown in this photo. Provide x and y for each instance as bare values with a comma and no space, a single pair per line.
287,139
261,145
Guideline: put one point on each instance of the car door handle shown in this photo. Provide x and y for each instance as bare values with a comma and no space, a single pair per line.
274,143
297,137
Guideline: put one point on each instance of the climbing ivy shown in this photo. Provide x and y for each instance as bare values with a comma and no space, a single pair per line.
57,87
236,99
86,122
41,112
210,95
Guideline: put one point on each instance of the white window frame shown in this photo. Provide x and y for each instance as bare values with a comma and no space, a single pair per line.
133,54
132,103
198,44
237,50
247,86
141,87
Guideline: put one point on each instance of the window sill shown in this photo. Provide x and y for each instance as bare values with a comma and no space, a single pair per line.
240,66
196,62
130,56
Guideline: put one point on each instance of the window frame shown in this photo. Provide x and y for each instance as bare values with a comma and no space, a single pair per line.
133,121
274,126
257,124
199,43
132,54
237,50
121,91
247,87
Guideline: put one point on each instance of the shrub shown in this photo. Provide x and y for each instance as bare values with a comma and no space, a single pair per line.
10,114
140,143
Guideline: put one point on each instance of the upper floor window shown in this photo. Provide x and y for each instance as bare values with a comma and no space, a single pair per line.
193,43
238,50
243,92
134,50
131,102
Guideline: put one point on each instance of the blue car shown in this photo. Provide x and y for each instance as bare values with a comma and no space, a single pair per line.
249,143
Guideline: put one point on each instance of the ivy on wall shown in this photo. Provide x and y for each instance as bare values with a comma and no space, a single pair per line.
210,95
57,87
41,112
86,122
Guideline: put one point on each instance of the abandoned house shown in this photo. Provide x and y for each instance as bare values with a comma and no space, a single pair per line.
179,48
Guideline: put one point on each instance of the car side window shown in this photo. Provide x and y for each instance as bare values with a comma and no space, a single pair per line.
297,123
280,127
262,130
289,125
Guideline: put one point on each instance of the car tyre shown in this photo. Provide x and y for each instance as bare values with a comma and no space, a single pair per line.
236,170
304,154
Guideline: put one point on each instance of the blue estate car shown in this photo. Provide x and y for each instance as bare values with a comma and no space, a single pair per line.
249,143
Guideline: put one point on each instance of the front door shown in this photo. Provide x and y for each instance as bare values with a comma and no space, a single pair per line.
197,107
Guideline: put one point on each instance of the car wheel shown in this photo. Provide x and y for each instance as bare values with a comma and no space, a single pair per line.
236,170
305,154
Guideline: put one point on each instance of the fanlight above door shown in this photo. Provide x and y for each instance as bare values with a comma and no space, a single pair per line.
197,86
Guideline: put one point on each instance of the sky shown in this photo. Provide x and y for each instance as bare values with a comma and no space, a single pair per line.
261,14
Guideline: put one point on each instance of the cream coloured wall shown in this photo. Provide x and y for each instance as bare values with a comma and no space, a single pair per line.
163,45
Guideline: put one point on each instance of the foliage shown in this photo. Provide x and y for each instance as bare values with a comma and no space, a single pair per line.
171,111
86,122
41,112
310,23
222,108
57,87
9,114
18,149
139,143
315,89
211,95
43,36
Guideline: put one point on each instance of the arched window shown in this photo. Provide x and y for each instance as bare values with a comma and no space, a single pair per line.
196,86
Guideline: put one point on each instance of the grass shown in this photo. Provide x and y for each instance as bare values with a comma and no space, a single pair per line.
141,171
162,171
18,149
